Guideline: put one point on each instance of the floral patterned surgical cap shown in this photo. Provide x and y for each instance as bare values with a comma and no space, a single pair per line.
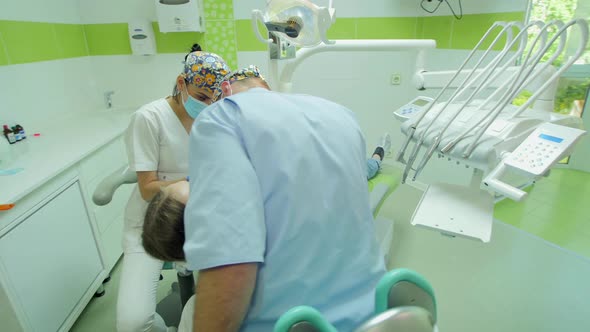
205,70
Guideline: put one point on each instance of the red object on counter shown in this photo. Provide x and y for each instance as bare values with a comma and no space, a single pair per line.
36,134
4,207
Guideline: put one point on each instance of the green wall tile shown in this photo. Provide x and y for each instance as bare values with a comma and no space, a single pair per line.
220,38
29,41
107,39
218,9
469,30
386,28
246,38
3,54
344,28
23,42
438,28
177,42
71,40
419,27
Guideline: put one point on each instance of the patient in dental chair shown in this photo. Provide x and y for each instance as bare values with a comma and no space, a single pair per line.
163,227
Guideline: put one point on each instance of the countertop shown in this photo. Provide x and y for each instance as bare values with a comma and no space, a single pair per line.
59,146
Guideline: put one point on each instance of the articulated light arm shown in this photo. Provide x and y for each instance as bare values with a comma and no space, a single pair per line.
291,65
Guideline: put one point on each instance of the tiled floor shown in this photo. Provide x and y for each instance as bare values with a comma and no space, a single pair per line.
99,314
557,210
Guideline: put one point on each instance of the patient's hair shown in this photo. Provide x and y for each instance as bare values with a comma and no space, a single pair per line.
163,228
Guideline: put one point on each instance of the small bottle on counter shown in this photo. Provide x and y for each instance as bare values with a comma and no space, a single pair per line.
21,131
9,135
16,133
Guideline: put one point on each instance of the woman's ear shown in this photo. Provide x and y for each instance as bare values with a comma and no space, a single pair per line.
226,89
180,82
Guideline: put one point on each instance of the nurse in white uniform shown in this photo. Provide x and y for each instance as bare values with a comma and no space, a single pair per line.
157,149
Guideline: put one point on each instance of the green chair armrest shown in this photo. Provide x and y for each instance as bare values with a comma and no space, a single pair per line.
303,314
398,277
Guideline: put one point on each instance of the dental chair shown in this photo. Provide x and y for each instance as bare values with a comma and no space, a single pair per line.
170,308
404,302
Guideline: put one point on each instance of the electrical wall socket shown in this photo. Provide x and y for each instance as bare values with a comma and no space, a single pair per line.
396,79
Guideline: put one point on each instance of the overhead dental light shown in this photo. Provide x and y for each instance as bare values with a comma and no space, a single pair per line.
303,24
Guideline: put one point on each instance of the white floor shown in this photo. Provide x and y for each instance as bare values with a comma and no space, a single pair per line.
99,315
517,282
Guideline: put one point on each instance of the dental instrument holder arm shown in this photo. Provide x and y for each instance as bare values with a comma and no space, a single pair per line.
583,41
511,74
412,129
490,74
464,86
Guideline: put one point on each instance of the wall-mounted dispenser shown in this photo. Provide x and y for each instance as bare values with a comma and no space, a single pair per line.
180,15
141,37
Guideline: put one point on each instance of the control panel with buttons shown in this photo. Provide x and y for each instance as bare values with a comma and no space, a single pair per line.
543,147
417,105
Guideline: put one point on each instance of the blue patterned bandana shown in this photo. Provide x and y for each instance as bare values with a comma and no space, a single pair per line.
205,70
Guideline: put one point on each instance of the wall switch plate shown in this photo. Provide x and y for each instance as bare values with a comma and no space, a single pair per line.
396,79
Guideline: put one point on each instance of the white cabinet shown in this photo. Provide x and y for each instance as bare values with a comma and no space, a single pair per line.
109,218
49,262
56,246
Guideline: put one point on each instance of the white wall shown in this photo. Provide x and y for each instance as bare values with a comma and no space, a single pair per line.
54,11
34,93
136,80
116,11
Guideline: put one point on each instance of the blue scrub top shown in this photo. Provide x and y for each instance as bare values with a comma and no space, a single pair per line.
281,179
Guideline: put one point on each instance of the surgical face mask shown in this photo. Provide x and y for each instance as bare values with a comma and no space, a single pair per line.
192,106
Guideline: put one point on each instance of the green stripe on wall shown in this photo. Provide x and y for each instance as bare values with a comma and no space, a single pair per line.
386,28
438,28
28,41
25,42
343,28
245,37
107,39
71,41
3,54
469,30
448,32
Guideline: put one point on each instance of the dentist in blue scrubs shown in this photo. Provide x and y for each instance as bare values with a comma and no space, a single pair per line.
278,213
